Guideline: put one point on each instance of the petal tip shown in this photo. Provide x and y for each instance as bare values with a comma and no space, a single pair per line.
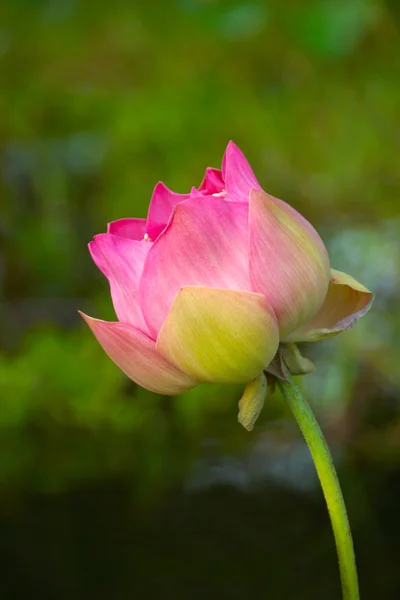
91,321
160,186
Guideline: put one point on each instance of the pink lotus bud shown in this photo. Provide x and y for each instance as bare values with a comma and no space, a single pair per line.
212,281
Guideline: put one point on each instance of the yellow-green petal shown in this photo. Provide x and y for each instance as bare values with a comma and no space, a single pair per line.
219,335
252,401
347,301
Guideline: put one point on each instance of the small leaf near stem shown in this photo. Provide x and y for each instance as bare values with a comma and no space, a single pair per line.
252,401
329,482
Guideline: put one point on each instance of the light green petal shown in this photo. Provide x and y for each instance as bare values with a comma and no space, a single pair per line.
295,361
346,301
252,401
219,335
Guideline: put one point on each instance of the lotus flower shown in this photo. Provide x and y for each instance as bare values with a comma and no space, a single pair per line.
207,286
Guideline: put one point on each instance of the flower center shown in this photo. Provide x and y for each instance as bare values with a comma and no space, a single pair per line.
147,238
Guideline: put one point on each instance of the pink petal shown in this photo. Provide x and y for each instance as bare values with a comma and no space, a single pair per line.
162,203
237,174
133,229
288,261
121,260
213,182
347,301
136,355
195,193
205,243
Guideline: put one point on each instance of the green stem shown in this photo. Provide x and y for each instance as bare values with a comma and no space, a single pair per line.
330,485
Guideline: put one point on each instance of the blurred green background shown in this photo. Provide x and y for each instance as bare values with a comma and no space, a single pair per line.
106,490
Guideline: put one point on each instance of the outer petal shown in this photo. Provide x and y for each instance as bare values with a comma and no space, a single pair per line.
205,243
136,355
162,203
288,261
346,301
134,229
213,182
219,335
121,260
237,174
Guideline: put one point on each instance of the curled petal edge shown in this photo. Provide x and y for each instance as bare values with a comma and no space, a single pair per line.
346,301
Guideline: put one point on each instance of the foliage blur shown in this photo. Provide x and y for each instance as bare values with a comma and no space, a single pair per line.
106,490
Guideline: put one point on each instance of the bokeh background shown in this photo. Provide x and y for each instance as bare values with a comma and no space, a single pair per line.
106,490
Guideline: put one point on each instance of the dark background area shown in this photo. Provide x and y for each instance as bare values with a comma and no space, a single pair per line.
109,491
